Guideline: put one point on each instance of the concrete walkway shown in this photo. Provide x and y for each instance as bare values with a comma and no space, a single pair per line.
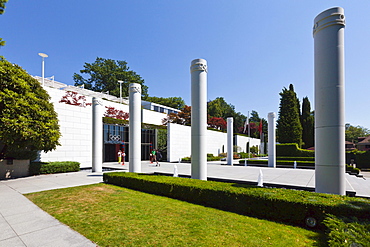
22,223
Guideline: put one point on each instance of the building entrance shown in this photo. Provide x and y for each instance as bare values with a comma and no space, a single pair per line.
116,138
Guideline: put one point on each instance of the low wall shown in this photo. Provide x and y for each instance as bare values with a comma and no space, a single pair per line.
14,168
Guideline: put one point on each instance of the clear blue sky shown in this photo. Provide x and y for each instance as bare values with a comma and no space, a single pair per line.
253,48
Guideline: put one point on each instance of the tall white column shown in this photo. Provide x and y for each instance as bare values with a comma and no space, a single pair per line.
230,134
198,71
97,135
135,128
328,33
272,139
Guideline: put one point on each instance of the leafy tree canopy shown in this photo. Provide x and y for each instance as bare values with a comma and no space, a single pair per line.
28,122
220,108
2,6
353,132
174,102
103,75
2,10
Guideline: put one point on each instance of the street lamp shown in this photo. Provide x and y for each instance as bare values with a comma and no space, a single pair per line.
120,91
43,55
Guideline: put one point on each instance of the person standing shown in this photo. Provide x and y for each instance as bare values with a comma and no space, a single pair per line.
119,154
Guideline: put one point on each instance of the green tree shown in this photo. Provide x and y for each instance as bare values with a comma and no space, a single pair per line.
353,132
104,74
289,128
174,102
28,122
2,10
308,124
220,108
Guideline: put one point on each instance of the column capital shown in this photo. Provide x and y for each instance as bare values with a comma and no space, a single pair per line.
135,88
329,17
96,102
198,65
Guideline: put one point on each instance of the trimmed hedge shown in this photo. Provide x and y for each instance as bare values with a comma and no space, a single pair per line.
284,163
292,150
296,158
347,231
361,158
37,168
282,205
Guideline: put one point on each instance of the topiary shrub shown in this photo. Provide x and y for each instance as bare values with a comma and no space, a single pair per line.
37,168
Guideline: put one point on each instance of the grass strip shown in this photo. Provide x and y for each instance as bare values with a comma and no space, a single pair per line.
114,216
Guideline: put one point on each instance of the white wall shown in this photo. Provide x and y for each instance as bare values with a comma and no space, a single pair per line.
179,142
241,141
76,128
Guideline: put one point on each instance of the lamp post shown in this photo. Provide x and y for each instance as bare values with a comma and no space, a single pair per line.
43,55
120,91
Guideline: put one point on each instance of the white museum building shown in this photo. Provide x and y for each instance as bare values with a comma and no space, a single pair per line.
73,106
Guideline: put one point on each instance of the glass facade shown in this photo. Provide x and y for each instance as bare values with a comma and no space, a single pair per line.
116,137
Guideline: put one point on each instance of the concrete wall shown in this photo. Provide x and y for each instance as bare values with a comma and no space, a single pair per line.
179,142
18,168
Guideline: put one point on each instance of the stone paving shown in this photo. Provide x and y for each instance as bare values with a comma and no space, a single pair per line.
22,223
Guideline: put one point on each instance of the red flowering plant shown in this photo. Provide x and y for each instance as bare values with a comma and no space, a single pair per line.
217,123
72,98
114,113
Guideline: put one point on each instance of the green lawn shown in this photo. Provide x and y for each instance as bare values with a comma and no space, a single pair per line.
115,216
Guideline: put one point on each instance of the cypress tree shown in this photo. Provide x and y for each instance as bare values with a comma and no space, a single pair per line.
308,124
289,128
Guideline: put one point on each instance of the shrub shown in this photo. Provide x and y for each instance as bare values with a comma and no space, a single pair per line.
210,157
292,149
361,158
282,205
296,158
289,163
352,169
37,168
347,231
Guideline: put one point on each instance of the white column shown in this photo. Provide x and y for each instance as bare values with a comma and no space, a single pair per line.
328,36
198,71
97,135
230,134
135,128
272,139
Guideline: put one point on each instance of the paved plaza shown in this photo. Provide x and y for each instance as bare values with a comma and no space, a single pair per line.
22,223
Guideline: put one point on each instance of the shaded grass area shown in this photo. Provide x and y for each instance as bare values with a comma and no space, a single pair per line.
113,216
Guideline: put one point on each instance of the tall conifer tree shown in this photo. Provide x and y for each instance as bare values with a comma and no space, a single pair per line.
289,128
307,121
